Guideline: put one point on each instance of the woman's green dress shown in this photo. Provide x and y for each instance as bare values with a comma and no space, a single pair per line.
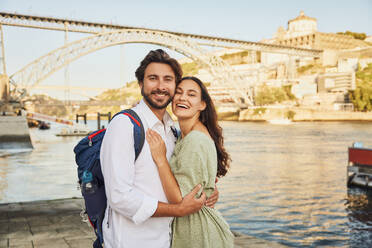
194,161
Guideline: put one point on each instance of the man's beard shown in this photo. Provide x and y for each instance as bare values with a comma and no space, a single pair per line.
153,104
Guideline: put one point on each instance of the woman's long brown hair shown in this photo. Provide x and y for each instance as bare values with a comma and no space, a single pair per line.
209,118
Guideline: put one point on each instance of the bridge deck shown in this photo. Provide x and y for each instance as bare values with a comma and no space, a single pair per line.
52,23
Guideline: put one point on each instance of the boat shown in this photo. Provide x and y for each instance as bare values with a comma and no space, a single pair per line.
74,131
44,125
359,168
280,121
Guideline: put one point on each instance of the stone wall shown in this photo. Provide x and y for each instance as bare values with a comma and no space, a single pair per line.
14,132
323,41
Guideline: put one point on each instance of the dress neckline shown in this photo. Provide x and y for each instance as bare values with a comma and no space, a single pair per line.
197,131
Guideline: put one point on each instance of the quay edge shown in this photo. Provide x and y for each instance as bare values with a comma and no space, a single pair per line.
14,133
301,114
57,223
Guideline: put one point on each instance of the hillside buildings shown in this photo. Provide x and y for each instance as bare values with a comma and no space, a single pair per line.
322,82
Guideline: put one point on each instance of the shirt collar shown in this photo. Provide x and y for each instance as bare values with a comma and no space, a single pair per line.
151,118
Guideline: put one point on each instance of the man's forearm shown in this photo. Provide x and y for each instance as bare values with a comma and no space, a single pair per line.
188,205
168,210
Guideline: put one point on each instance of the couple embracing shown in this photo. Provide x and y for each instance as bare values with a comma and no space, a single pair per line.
165,197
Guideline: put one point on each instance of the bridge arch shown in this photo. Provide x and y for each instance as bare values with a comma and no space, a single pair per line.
35,72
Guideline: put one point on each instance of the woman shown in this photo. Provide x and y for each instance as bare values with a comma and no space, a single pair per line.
198,157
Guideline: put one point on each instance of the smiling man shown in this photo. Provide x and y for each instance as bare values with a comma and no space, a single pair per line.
160,86
138,213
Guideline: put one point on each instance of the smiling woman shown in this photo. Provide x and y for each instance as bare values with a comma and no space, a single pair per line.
199,156
186,102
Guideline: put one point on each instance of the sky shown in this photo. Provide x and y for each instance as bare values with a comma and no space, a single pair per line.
114,66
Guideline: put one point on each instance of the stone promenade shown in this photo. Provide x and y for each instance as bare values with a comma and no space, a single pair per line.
57,224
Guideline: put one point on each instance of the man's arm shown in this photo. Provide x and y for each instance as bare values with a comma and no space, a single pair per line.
117,164
188,205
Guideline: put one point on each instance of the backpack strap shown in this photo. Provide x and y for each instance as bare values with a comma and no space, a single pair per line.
138,130
176,132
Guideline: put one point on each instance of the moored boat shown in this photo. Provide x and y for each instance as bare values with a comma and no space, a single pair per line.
359,168
44,125
74,131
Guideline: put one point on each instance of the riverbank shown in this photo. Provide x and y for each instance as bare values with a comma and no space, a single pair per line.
57,224
270,113
302,114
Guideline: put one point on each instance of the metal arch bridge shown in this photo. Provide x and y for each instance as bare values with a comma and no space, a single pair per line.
32,74
105,35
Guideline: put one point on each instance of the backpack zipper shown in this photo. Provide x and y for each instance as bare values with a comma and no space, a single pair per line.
90,137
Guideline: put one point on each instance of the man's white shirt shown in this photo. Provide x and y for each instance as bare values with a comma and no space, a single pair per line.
133,189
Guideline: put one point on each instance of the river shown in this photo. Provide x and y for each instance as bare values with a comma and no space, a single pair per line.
287,183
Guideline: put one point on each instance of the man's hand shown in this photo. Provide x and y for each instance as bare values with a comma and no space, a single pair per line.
190,204
213,198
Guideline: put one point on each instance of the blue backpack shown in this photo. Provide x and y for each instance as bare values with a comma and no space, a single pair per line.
87,157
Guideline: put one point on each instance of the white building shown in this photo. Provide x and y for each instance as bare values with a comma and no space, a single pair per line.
299,26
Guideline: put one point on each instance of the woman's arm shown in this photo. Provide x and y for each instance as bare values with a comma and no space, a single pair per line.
158,152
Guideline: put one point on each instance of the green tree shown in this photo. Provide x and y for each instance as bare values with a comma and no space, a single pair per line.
271,95
259,111
288,91
290,114
190,69
359,36
361,97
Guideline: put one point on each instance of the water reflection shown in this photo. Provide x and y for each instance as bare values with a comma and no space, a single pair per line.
359,211
294,186
287,183
46,172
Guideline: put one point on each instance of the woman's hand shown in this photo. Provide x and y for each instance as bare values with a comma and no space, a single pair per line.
157,147
213,198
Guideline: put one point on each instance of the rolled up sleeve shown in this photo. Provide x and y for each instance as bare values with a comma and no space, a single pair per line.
146,210
118,169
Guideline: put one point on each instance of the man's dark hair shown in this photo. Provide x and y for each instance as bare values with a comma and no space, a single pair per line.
158,56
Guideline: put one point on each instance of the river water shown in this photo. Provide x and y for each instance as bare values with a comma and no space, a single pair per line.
287,183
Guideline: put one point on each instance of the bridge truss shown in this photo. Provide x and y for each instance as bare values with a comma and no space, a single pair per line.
51,23
105,35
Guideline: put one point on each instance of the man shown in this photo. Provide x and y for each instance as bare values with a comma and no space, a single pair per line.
133,188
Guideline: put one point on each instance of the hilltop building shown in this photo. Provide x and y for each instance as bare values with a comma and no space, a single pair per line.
303,32
300,26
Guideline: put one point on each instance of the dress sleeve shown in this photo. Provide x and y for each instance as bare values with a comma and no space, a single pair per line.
197,163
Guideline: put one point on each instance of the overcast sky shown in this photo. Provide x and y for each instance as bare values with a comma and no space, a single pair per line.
112,67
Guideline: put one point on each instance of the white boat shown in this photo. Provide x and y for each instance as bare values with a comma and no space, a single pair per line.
280,121
361,179
74,131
